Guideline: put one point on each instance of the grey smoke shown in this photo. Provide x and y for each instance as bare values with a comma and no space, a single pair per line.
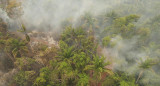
49,14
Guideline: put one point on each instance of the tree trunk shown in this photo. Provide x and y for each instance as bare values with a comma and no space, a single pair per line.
139,76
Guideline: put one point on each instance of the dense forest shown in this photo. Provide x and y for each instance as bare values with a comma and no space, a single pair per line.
79,42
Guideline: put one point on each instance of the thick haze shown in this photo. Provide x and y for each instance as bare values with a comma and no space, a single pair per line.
49,14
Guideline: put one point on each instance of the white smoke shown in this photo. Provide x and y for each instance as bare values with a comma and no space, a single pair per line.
50,13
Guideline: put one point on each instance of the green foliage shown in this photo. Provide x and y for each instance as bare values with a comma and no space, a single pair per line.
144,32
27,37
79,40
81,60
71,35
154,23
110,17
148,63
83,80
16,47
129,83
89,19
23,30
99,63
125,26
76,58
99,67
106,41
67,22
24,63
66,51
44,78
75,61
42,47
120,79
22,78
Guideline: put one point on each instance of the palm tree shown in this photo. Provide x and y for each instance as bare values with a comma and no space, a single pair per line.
23,30
16,47
65,50
110,17
99,67
145,65
90,21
